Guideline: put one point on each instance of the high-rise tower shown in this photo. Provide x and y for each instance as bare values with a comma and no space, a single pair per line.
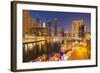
55,26
26,22
49,27
78,28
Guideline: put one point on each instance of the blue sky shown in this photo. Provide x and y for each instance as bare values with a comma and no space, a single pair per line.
64,18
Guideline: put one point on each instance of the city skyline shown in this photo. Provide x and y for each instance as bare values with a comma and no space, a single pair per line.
64,18
45,42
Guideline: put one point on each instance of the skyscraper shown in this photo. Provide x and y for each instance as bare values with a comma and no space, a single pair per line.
35,23
49,27
26,22
55,26
78,28
38,22
81,31
62,32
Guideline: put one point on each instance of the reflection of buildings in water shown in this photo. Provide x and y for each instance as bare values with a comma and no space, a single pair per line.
32,50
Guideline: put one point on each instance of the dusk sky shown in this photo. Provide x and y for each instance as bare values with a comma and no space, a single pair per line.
64,18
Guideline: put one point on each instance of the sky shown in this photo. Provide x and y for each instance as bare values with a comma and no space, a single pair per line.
64,18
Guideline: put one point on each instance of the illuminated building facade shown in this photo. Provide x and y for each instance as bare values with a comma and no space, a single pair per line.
37,30
78,28
35,23
42,39
33,26
26,21
44,23
32,38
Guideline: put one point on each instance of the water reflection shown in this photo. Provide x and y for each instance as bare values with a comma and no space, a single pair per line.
53,49
36,49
